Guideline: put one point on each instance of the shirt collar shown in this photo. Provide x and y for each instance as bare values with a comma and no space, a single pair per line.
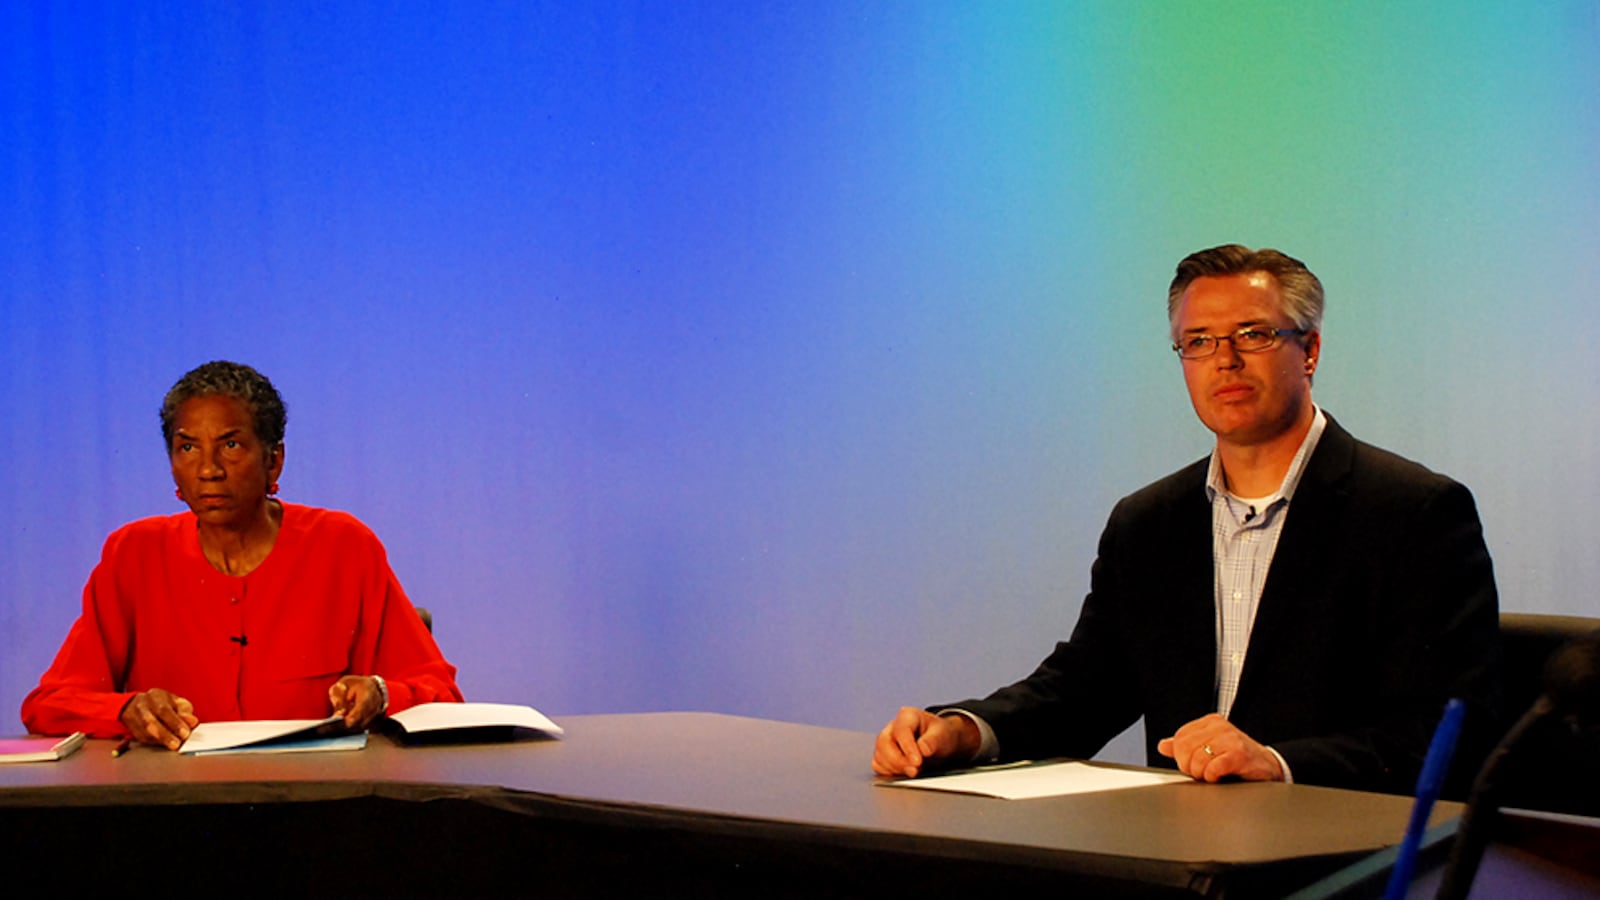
1291,479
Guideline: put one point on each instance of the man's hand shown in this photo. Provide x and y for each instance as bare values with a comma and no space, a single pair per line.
1210,749
357,698
916,737
160,718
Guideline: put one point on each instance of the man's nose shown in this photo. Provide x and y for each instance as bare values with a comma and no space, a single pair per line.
1227,356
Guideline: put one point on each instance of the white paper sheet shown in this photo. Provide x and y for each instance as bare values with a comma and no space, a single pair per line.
248,737
444,716
1024,780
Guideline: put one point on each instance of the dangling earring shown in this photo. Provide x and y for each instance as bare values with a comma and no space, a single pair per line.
178,492
272,489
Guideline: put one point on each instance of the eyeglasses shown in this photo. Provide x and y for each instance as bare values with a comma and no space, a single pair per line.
1249,339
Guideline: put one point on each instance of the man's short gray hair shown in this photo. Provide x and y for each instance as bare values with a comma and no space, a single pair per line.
1302,292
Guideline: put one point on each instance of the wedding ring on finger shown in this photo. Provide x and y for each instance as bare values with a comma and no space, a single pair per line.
1208,751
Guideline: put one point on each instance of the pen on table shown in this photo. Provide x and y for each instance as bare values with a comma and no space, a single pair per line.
123,746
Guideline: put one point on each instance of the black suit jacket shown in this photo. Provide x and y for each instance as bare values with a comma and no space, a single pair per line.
1378,607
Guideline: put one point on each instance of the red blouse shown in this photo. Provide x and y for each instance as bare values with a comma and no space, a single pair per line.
323,604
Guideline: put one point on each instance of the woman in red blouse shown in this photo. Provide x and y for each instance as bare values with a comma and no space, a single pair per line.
244,607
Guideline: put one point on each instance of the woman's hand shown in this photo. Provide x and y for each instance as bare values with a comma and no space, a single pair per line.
160,718
358,698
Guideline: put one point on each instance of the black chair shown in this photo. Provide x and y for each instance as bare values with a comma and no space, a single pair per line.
1555,765
1527,640
1549,760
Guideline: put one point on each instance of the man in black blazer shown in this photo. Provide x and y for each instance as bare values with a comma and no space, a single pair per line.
1299,606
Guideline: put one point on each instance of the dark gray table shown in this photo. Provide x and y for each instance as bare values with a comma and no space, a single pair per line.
690,803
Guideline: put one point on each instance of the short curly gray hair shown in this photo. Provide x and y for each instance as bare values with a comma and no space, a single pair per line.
221,378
